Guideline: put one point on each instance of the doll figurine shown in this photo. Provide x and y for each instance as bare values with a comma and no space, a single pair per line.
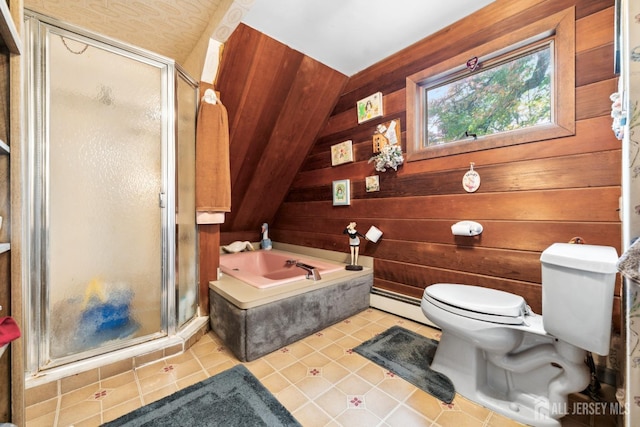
354,245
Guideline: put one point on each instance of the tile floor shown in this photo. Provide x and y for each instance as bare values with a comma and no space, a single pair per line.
319,379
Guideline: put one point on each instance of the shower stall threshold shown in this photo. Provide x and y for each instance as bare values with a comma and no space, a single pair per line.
119,361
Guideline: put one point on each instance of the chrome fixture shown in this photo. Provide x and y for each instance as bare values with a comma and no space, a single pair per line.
312,272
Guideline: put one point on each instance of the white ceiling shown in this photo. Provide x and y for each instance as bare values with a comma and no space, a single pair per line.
346,35
351,35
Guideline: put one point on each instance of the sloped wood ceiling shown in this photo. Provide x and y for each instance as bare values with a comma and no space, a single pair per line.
278,100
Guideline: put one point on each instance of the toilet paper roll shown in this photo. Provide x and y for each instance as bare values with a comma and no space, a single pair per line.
373,234
466,228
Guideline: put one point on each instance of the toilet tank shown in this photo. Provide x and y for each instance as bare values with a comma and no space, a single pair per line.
577,294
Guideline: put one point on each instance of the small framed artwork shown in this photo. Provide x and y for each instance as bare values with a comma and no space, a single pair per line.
372,183
341,192
370,107
342,153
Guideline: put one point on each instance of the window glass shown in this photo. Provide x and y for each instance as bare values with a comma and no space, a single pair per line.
513,89
514,93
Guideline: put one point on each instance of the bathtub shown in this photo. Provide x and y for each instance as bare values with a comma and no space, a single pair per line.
266,269
254,321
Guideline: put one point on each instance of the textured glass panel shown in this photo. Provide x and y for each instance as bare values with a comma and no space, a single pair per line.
186,242
105,173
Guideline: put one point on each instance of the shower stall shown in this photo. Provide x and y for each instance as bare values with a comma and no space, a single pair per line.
108,195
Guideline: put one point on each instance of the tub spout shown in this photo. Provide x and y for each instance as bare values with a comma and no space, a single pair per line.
312,272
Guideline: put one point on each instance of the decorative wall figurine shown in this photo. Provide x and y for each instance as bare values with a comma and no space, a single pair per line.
379,141
342,153
341,192
473,64
471,180
370,107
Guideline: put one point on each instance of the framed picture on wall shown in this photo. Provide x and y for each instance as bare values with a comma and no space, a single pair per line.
341,191
372,183
370,107
342,153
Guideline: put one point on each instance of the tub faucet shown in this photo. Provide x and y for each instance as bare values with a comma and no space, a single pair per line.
312,272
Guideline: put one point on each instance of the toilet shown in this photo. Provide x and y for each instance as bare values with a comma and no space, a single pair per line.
501,355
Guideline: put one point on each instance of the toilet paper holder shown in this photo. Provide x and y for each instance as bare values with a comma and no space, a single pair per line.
466,228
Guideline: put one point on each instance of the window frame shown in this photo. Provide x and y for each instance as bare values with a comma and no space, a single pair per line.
560,28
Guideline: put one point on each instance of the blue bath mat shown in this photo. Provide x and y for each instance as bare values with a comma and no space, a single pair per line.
409,356
233,398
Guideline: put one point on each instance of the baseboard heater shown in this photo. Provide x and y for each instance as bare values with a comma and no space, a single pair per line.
398,304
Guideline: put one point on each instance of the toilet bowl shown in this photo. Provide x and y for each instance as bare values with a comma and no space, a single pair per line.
500,354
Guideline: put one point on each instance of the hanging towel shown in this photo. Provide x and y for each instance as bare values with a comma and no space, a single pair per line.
9,330
629,262
213,177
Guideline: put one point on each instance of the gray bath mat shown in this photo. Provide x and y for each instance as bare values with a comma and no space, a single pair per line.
232,398
408,355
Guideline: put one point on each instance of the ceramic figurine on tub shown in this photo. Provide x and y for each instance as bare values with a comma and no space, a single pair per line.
354,245
265,243
238,246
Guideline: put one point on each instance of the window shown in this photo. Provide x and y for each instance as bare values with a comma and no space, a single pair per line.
512,94
521,90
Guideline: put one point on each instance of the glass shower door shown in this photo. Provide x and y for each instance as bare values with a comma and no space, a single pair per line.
104,178
186,230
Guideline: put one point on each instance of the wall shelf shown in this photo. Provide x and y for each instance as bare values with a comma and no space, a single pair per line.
8,30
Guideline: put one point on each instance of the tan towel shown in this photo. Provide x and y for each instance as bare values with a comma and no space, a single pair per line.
213,178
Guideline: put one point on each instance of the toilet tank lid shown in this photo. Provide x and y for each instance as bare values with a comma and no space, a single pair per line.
478,299
594,258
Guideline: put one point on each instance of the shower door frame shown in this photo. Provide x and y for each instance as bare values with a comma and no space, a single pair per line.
35,191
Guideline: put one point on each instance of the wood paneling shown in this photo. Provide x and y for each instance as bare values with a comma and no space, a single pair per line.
286,111
499,18
278,100
549,173
209,261
531,195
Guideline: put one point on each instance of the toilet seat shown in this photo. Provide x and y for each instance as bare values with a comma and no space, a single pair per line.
489,305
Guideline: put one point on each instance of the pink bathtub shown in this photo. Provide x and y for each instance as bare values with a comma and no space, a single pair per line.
265,269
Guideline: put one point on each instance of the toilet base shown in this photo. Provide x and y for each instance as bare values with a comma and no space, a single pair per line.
467,367
522,409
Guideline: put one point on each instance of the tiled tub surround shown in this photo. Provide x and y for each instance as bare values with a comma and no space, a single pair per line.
254,322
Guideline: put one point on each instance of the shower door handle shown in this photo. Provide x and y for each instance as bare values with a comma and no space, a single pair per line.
161,200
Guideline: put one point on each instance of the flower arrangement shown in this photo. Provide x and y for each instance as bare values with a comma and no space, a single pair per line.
390,156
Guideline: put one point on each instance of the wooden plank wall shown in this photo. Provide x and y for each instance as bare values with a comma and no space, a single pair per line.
531,195
271,93
278,100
